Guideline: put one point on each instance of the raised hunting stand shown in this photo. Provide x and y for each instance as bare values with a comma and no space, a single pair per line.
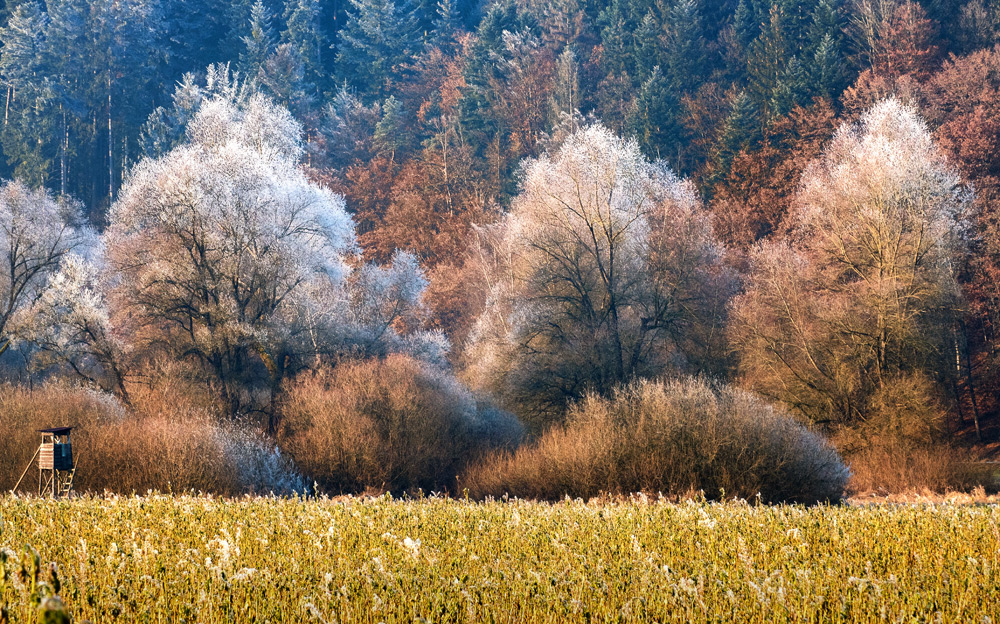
55,462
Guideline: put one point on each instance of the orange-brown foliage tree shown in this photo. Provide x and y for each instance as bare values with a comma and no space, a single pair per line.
753,200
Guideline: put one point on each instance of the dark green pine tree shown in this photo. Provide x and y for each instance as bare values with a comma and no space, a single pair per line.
391,134
823,51
684,48
717,15
447,25
767,61
826,70
745,29
306,38
825,21
258,44
379,36
793,88
125,37
647,45
617,39
234,18
94,76
482,71
740,131
199,33
746,25
653,118
797,18
68,49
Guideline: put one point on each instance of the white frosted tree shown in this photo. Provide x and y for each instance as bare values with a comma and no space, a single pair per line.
36,232
865,292
605,269
222,251
218,243
69,326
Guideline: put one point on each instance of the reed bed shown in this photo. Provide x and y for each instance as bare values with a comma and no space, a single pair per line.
158,558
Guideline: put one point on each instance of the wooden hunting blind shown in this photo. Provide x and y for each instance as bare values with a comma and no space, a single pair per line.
56,467
55,461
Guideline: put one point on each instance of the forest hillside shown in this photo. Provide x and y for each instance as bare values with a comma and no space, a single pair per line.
525,247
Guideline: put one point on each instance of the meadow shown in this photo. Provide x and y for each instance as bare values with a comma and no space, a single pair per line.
162,558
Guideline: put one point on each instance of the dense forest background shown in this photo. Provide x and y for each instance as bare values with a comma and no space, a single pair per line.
443,123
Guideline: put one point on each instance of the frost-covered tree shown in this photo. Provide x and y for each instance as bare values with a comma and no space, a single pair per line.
606,269
225,253
36,232
69,326
218,241
865,293
166,128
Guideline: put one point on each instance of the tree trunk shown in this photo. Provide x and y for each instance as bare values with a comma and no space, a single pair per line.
971,384
111,148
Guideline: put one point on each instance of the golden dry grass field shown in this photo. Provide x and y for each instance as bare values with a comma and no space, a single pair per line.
197,559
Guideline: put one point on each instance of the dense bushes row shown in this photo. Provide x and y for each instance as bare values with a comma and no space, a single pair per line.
672,437
395,424
134,451
401,425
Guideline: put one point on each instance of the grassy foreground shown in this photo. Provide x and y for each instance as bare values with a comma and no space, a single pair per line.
176,559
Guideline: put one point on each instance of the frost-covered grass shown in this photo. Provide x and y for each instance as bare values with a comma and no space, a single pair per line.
175,559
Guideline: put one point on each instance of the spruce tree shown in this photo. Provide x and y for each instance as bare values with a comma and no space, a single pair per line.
653,118
767,61
616,39
378,37
793,88
30,107
305,37
684,50
740,131
823,50
647,45
391,130
259,42
447,25
826,71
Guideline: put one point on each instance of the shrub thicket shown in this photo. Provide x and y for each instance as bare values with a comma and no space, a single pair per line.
670,437
395,424
902,443
122,451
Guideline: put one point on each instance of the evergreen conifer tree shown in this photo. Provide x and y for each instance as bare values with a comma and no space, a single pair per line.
447,24
304,35
378,37
684,46
259,42
739,132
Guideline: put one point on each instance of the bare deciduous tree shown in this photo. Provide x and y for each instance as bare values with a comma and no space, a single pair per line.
605,269
36,232
865,292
